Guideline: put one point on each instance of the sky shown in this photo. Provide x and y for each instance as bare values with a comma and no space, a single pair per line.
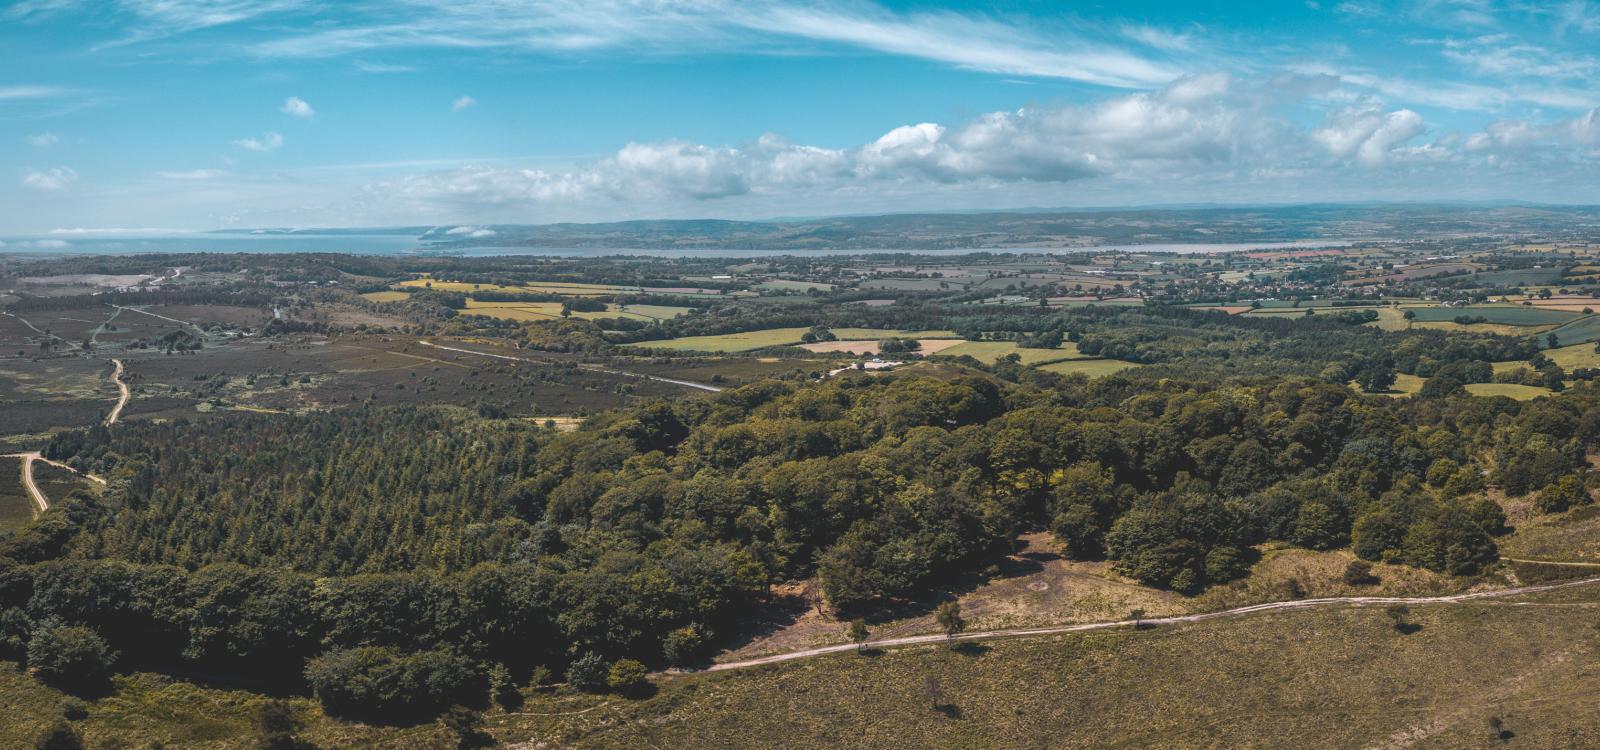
161,115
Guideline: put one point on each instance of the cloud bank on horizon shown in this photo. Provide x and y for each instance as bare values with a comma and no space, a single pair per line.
199,114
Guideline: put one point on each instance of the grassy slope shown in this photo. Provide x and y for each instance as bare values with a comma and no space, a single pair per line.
1311,679
1321,678
989,351
16,507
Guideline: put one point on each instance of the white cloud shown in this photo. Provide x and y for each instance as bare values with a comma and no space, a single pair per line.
52,179
462,103
297,107
45,139
266,142
1367,132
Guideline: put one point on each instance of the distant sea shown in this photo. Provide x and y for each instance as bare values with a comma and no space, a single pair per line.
390,244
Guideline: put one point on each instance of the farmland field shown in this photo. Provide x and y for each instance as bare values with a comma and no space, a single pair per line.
786,285
1093,368
1518,315
991,351
1580,331
928,346
751,340
388,296
1519,277
1510,390
1573,357
524,311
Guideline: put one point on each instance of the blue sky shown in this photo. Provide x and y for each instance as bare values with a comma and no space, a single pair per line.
161,114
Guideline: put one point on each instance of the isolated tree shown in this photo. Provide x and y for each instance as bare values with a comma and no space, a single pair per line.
948,615
858,633
1398,614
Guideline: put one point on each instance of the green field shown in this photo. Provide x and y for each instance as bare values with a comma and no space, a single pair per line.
392,295
1515,315
751,340
1573,357
1519,277
788,285
1578,331
991,351
1510,390
1093,368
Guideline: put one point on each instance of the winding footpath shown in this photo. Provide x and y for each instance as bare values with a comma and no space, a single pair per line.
39,498
1353,601
590,368
122,400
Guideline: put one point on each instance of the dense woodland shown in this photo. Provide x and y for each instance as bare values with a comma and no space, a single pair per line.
417,547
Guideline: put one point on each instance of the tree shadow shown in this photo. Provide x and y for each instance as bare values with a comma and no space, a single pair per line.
1407,628
970,648
950,710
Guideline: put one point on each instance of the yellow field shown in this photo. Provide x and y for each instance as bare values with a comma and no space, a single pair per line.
1573,357
390,296
550,287
1094,368
1510,390
525,311
1404,385
1499,329
992,351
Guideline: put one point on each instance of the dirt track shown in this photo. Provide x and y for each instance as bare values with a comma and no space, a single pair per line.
1355,601
116,411
27,476
590,368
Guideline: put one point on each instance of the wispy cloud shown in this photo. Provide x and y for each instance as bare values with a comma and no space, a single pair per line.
192,174
462,103
381,68
11,93
294,106
266,142
50,180
45,139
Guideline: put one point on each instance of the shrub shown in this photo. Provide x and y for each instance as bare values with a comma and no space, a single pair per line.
70,656
60,736
589,673
627,675
380,683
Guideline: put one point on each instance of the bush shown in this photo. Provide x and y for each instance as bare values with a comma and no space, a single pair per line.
70,656
627,676
378,683
685,645
589,673
60,736
1565,493
74,708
